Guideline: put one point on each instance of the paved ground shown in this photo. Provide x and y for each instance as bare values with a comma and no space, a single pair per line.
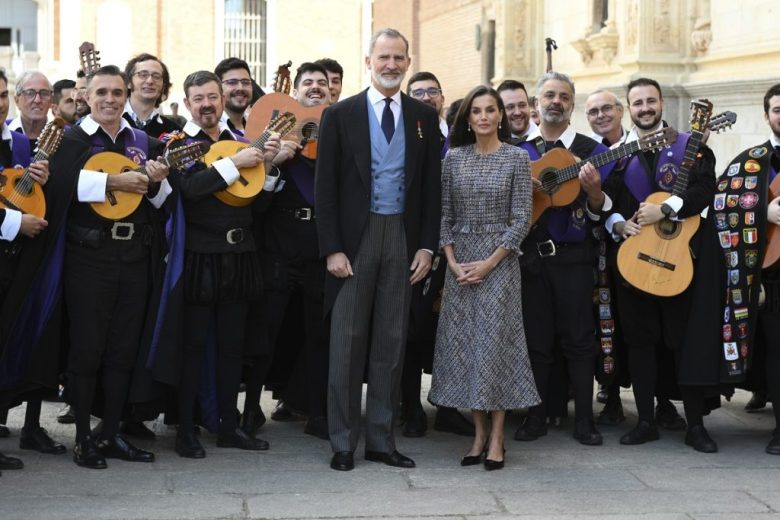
552,478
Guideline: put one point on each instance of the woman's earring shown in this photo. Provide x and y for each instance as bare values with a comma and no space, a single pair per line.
499,126
468,128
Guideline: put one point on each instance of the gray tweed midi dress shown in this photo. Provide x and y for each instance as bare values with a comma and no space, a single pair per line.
481,357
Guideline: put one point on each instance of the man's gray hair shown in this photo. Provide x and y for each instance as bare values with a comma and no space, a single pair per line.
617,101
28,75
552,75
390,33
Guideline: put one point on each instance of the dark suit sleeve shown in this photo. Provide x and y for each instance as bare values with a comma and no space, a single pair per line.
701,185
430,221
326,184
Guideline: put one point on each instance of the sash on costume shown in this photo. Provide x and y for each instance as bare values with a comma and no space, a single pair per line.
739,213
21,153
641,183
136,150
303,176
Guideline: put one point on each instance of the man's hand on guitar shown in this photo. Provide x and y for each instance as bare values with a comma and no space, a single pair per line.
32,225
421,264
536,183
339,266
590,179
287,151
39,171
648,214
627,228
156,171
248,157
773,212
132,182
271,148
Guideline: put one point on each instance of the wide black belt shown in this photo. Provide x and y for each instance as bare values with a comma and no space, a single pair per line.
305,214
118,231
231,236
549,248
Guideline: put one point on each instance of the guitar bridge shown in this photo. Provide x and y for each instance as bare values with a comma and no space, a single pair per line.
243,180
111,198
656,261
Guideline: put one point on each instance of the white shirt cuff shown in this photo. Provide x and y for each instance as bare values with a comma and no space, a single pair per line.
11,224
609,225
674,202
227,169
271,178
162,194
605,207
92,186
428,250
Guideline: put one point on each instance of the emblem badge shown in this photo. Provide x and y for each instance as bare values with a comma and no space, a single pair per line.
606,345
750,218
720,201
740,313
751,182
758,152
734,276
752,166
722,184
668,174
742,330
726,314
732,201
751,257
605,313
734,239
730,351
733,170
736,297
607,327
748,199
743,348
604,295
725,239
750,235
720,221
733,219
736,183
727,332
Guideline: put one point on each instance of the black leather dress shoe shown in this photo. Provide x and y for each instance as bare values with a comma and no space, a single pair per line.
66,415
698,437
492,465
118,448
586,433
137,429
416,423
4,431
773,448
666,417
757,402
37,439
602,395
317,427
531,428
450,420
643,432
10,462
252,421
473,460
87,455
611,415
284,413
238,439
342,461
393,458
188,446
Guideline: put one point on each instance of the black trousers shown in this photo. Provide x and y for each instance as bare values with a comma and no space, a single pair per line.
106,293
557,300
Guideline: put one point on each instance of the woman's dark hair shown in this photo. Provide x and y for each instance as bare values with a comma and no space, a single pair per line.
460,134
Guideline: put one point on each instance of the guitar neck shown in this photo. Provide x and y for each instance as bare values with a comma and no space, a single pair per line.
691,149
573,170
259,143
39,156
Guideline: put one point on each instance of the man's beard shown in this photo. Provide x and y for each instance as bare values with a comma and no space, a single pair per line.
649,126
388,83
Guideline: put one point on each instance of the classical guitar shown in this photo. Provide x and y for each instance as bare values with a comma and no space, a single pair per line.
119,204
18,190
306,130
772,251
658,259
251,180
558,170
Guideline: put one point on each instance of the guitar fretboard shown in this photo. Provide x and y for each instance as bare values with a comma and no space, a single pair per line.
573,170
689,157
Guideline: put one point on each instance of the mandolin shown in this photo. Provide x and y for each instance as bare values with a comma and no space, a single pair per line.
306,130
119,204
251,180
558,170
658,260
18,190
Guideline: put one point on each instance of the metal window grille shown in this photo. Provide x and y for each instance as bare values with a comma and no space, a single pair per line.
245,33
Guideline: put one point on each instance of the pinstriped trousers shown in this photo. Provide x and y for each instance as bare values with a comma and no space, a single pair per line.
373,304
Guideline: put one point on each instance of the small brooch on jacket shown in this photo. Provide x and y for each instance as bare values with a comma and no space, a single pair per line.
419,130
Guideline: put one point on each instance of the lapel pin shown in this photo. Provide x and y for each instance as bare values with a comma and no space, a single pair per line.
419,130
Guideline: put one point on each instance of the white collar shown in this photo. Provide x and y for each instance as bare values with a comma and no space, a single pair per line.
192,129
443,128
129,110
16,125
6,135
532,128
775,141
90,126
374,96
567,137
633,135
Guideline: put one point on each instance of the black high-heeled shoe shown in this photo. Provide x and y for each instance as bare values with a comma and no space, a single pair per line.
473,460
491,465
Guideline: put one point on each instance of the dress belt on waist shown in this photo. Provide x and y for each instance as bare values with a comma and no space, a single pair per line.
231,236
299,213
117,231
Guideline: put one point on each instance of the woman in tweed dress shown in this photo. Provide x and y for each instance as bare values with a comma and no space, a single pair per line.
481,358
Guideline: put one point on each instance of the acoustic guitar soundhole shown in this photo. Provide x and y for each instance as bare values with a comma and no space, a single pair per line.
667,229
549,181
23,190
309,131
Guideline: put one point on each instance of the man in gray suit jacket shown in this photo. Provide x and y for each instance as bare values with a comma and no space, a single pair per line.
377,209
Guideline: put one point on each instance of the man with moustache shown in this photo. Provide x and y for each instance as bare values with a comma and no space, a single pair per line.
148,83
557,265
605,117
293,268
425,87
14,226
518,109
63,105
378,207
236,81
651,323
335,77
220,267
80,95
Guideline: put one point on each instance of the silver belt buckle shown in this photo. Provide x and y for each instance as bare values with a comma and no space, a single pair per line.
234,236
302,213
542,248
122,231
